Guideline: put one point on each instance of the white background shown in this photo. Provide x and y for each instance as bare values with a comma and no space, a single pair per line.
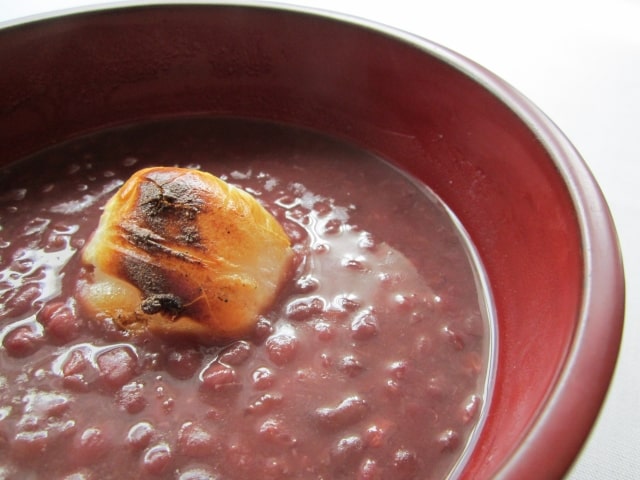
579,61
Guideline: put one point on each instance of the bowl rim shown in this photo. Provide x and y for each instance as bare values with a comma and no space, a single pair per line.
594,350
593,353
591,359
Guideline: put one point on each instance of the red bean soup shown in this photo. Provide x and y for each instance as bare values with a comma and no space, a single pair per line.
375,362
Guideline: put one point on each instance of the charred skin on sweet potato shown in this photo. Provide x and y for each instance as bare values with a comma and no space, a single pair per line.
180,251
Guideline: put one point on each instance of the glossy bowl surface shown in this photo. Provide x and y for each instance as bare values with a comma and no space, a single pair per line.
530,205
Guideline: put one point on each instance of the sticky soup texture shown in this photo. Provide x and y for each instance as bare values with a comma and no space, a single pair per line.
371,362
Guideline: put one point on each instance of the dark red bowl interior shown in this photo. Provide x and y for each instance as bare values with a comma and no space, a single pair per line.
530,205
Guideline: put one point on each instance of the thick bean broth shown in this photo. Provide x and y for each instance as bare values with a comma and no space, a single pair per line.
373,363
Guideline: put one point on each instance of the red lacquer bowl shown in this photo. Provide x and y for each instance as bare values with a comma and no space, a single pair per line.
530,205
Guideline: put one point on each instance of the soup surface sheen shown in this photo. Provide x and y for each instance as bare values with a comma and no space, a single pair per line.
372,364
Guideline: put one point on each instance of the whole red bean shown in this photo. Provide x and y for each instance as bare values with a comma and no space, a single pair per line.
157,459
22,341
117,366
281,349
347,412
265,403
195,441
218,377
92,444
405,461
364,326
305,308
60,322
369,470
263,378
236,353
131,398
448,440
346,452
140,435
274,431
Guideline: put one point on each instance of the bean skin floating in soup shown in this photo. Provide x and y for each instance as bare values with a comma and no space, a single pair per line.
179,251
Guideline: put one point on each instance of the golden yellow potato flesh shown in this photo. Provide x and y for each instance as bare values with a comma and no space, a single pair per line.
180,251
